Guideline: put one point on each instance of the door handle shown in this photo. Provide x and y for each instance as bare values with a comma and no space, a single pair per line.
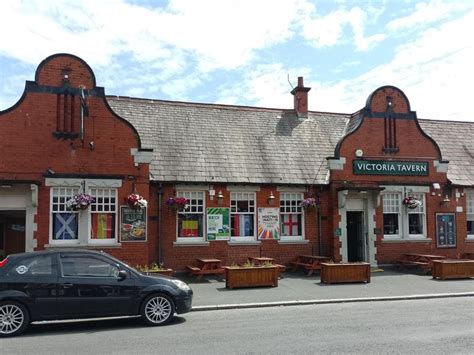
67,285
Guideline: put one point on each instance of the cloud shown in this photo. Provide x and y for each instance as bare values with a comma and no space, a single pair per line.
265,85
427,13
329,30
432,70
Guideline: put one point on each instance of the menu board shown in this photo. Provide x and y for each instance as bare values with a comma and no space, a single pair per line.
132,224
445,230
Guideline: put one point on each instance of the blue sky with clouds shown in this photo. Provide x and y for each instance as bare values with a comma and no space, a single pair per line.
243,52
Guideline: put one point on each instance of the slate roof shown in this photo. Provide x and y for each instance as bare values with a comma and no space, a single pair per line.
456,141
211,143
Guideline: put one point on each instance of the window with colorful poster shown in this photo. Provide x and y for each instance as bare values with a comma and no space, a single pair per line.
268,223
132,224
218,224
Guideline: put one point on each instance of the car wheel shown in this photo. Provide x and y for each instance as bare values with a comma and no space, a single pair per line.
157,309
14,318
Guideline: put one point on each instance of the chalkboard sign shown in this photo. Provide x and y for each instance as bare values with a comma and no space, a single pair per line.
132,224
445,230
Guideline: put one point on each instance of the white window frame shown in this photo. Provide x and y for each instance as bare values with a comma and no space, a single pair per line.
192,209
244,196
111,208
66,193
419,210
294,209
392,209
469,209
403,222
85,218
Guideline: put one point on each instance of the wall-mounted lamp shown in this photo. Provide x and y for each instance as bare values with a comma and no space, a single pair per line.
446,200
436,186
220,197
271,198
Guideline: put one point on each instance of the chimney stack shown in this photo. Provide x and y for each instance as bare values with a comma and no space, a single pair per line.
300,94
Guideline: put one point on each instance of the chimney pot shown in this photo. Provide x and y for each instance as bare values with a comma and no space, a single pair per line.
300,82
300,94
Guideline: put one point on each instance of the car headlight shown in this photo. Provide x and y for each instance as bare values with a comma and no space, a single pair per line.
181,285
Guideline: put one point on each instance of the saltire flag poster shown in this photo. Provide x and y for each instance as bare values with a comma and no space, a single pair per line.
268,223
65,226
218,227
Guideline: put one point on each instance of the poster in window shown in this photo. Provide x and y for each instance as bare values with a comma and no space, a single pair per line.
445,230
132,224
268,223
218,227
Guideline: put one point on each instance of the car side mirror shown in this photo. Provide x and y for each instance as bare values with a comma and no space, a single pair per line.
122,275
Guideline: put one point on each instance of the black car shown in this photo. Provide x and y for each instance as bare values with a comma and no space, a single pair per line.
53,285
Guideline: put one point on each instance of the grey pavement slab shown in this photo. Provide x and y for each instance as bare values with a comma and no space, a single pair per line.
294,287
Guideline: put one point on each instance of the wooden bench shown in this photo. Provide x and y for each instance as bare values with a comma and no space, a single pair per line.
424,261
310,262
200,272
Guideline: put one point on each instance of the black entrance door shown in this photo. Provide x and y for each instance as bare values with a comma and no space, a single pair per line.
355,236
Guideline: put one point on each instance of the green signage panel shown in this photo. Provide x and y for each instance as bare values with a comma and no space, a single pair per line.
381,167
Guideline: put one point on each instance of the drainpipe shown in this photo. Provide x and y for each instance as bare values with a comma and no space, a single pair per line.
160,213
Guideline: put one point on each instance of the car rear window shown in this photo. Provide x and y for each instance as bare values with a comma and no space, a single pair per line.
44,265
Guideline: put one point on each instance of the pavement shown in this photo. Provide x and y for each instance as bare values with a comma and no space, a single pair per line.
297,288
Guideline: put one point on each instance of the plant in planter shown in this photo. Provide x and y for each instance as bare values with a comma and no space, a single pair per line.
310,202
154,268
411,202
177,203
136,201
79,202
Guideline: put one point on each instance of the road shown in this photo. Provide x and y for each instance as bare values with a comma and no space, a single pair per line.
434,326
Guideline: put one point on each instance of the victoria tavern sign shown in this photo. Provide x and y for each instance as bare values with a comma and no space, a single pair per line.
381,167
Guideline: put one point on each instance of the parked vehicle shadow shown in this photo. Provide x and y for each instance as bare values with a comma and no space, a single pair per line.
91,326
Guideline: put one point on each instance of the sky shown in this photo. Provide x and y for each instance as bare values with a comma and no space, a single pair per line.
250,52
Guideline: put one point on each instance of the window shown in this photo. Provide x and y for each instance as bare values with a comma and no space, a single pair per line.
38,265
103,212
400,221
87,266
96,224
416,218
191,220
242,215
391,214
470,214
291,216
65,227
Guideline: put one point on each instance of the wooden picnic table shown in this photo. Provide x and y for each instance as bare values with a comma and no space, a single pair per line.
309,262
206,267
424,261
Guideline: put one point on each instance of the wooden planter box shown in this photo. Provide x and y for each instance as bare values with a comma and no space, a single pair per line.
453,269
251,276
345,272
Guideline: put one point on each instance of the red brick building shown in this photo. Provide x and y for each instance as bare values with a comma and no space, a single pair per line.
244,170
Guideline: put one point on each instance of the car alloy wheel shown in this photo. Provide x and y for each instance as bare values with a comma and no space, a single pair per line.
13,318
158,309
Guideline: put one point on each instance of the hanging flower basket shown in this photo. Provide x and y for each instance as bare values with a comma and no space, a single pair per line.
310,202
411,202
177,203
79,202
136,201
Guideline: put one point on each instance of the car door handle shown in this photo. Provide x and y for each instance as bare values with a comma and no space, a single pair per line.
67,285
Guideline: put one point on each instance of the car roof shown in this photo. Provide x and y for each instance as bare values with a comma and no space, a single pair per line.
55,251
